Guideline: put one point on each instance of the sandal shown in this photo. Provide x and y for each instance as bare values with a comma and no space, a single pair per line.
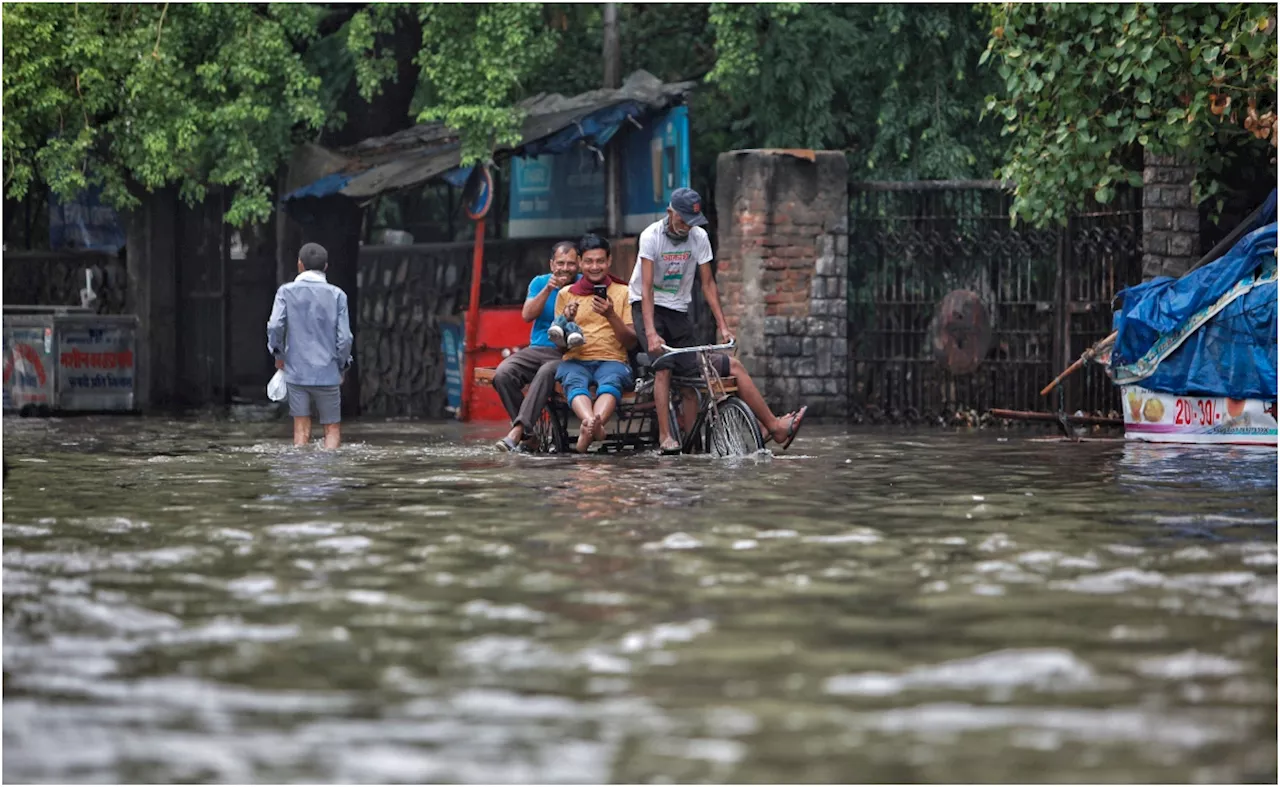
793,428
505,444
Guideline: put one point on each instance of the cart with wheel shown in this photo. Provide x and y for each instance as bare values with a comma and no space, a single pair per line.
724,425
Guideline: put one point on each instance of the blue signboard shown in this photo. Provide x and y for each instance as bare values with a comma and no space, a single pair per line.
556,195
451,333
84,223
563,195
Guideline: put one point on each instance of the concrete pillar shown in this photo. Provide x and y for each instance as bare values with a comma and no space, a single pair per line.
782,274
1170,218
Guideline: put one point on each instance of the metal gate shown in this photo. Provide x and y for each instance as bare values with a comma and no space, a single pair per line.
202,240
1046,293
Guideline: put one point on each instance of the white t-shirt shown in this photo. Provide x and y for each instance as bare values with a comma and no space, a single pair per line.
674,263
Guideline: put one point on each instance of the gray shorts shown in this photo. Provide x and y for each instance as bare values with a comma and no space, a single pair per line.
322,399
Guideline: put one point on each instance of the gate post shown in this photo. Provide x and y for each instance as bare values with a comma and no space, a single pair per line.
151,263
1170,218
782,276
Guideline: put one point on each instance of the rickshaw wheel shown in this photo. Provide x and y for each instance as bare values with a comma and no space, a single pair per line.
734,431
550,434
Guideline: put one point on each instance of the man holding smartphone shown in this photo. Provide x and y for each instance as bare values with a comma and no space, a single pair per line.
535,365
660,292
599,304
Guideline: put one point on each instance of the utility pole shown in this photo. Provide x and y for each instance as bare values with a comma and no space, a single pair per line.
613,153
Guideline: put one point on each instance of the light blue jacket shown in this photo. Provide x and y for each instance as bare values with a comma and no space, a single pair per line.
310,329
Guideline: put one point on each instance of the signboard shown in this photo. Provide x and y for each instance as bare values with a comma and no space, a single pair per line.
84,223
451,332
28,365
1165,418
558,196
95,365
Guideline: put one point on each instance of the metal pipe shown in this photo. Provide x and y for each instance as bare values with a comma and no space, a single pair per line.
1027,415
473,323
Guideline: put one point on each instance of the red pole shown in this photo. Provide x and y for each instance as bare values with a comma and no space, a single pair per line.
473,322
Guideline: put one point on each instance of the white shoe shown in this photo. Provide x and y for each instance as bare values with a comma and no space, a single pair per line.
556,334
576,340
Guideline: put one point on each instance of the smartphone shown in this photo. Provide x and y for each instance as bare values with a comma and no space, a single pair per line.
601,291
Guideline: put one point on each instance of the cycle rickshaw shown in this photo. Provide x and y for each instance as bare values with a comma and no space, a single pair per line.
724,426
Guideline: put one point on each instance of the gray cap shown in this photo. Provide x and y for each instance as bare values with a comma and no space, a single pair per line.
688,204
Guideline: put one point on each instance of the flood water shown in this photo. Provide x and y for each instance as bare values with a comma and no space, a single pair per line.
196,601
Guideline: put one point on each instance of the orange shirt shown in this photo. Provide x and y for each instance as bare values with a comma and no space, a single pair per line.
602,343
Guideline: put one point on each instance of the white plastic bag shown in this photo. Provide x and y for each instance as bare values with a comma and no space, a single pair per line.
277,389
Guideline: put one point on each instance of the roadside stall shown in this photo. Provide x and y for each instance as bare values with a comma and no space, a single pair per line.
556,191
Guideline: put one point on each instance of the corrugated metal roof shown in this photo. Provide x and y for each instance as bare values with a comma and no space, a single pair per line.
553,124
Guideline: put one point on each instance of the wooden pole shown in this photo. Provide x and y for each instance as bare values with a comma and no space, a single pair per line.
613,153
1073,368
473,323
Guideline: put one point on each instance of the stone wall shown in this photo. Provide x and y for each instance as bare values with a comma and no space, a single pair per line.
783,258
1170,218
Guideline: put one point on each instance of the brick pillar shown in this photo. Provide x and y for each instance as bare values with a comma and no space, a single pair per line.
783,259
1170,218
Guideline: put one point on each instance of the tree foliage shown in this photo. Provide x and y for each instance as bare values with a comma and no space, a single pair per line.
127,96
897,87
131,97
475,62
1086,87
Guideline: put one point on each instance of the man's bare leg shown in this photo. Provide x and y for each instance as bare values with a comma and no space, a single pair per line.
586,433
301,430
688,410
332,436
516,434
662,400
605,405
749,393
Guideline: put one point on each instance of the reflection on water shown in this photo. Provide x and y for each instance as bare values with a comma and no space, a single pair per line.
200,601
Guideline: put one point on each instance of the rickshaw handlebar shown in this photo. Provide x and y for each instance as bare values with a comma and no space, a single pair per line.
701,348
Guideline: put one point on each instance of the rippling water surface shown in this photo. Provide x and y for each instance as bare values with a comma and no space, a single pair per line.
195,601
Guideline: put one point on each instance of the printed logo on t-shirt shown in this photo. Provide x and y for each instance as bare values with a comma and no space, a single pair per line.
673,265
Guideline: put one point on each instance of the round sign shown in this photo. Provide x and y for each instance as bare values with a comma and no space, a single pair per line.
479,192
961,332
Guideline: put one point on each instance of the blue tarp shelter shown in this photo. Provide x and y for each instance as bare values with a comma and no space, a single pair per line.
1211,332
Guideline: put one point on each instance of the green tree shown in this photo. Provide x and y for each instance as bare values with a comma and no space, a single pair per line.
475,61
129,97
897,87
1088,87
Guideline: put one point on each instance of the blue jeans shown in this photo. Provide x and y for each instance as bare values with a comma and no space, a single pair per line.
610,377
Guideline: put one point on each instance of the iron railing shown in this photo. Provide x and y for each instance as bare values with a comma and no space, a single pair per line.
1046,292
404,291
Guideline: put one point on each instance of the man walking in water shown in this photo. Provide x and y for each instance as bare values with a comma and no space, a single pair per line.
309,334
661,291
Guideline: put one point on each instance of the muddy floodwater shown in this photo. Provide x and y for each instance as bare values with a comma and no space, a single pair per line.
196,601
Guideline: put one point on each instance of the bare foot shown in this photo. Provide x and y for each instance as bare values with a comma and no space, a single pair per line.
586,434
599,430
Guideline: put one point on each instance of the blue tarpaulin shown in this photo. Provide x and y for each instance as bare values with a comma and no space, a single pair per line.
1209,333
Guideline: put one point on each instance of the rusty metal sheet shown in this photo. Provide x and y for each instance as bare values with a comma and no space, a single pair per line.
961,332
